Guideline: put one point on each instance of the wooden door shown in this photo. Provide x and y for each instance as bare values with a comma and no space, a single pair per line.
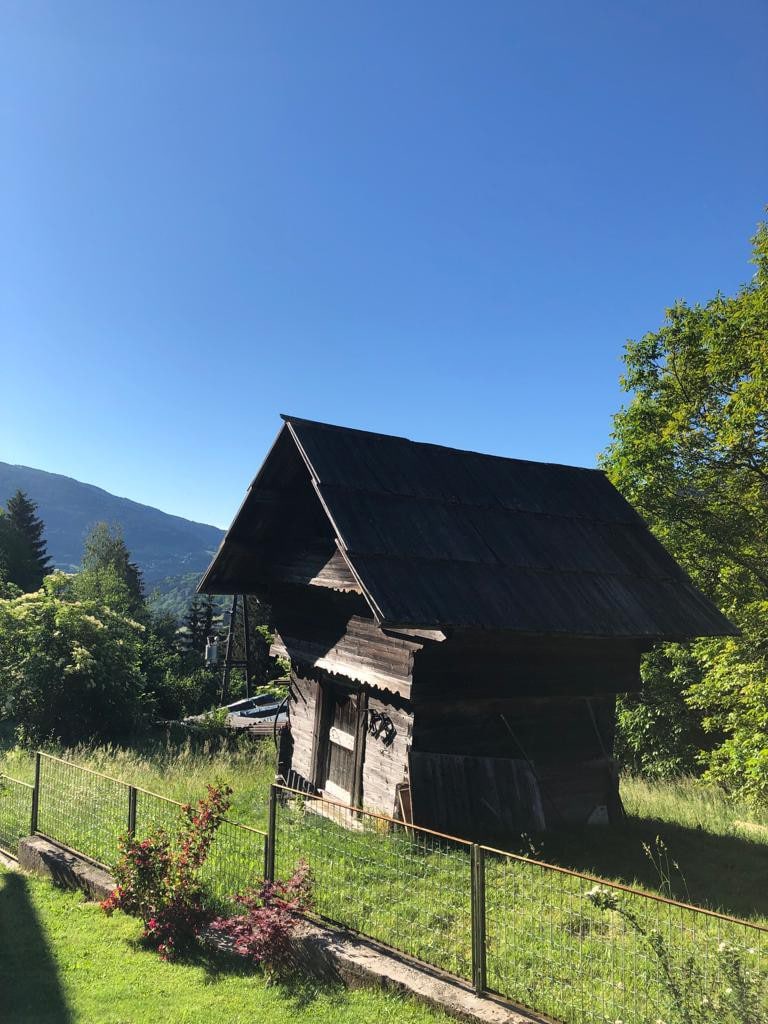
342,759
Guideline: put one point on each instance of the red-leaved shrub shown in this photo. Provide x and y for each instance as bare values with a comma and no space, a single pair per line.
159,880
263,932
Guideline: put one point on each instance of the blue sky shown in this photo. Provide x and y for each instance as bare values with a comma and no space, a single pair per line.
441,220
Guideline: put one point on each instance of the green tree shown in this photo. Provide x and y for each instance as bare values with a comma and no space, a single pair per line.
31,563
14,552
104,550
690,451
70,669
194,627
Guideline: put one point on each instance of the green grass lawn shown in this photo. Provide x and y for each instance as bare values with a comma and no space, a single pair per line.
720,846
62,961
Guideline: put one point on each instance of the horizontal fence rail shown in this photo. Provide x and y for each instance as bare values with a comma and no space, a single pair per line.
562,943
15,812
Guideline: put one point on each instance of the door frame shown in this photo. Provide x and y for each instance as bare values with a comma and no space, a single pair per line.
321,736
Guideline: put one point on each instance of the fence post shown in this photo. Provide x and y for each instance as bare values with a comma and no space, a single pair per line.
131,811
35,797
478,918
269,865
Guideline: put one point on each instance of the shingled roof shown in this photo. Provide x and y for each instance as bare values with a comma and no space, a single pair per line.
438,537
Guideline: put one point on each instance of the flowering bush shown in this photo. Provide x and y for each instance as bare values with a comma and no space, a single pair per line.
159,881
262,934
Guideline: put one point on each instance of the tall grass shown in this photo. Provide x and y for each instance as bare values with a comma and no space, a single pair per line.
180,770
689,802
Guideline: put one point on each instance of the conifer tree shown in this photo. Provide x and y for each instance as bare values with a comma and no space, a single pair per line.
194,623
23,519
105,548
209,614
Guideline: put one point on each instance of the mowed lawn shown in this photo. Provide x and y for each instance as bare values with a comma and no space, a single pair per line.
62,961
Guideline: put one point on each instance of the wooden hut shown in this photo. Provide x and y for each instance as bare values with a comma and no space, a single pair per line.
458,625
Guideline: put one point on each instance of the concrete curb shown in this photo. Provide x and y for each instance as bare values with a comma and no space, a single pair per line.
42,857
327,953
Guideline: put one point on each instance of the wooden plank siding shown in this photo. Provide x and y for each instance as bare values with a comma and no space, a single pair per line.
386,755
476,665
302,712
332,632
536,729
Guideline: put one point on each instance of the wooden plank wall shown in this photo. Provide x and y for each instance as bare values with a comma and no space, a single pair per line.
487,798
302,700
332,632
497,767
494,799
546,729
503,665
387,744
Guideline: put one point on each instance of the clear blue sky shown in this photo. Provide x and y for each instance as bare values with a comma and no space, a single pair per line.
435,219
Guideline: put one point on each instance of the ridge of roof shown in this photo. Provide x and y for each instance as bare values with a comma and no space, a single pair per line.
287,418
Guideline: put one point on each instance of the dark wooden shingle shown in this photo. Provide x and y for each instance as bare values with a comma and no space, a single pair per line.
438,537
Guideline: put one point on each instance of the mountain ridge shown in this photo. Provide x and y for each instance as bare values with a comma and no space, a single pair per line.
162,545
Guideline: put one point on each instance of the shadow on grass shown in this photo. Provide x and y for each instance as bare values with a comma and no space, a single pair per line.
30,990
726,873
297,988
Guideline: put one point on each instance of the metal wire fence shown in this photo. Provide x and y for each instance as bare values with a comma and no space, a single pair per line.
236,860
588,951
573,947
410,889
81,808
561,943
89,812
15,812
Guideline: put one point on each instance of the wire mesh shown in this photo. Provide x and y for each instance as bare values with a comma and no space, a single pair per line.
155,812
15,812
585,953
236,861
82,809
236,858
89,812
405,887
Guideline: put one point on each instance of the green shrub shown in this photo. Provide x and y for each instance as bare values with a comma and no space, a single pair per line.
70,669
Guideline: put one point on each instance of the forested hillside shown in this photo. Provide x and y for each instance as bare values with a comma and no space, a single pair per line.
162,545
